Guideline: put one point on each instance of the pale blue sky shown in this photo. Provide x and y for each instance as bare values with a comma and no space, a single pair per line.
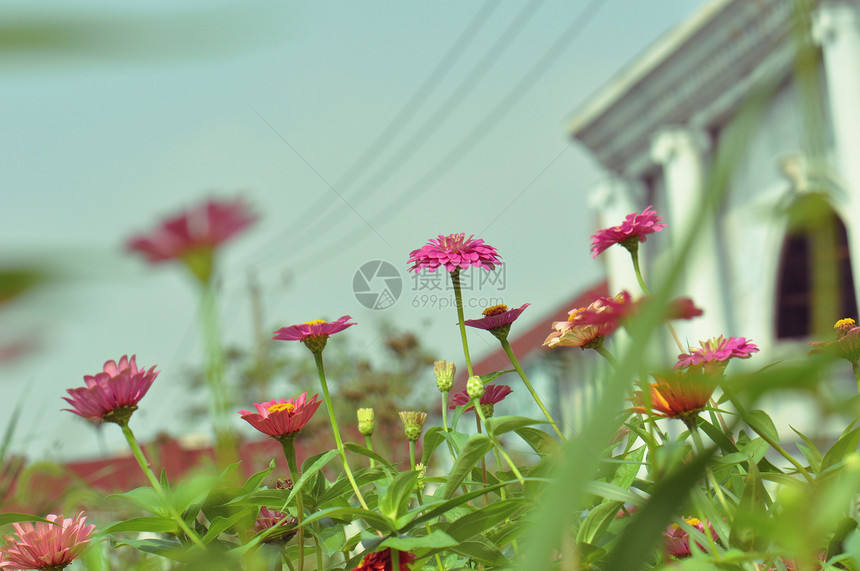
276,101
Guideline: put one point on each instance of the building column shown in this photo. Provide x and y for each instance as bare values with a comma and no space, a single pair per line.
836,28
613,199
681,152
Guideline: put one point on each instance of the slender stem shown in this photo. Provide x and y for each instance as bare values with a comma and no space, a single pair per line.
318,550
225,444
700,448
634,253
287,559
483,459
445,411
458,297
369,445
513,358
496,443
604,352
290,454
773,443
156,485
338,442
856,368
412,455
395,559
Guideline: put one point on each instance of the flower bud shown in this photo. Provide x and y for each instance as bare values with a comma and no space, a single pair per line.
488,409
413,423
444,372
366,421
475,387
422,473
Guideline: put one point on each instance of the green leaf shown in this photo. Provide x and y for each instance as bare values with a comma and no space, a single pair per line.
475,449
540,441
353,447
144,524
378,521
7,518
484,519
626,472
597,521
490,377
253,482
221,524
638,539
432,510
761,422
396,499
501,424
846,444
145,498
811,451
311,471
167,548
432,439
481,550
613,492
435,540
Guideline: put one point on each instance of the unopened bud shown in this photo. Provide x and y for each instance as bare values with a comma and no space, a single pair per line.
413,423
366,421
422,473
444,372
475,387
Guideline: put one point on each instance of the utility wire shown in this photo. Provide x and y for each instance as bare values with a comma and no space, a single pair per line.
397,124
475,135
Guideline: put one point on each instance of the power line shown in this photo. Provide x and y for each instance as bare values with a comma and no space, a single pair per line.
399,121
478,132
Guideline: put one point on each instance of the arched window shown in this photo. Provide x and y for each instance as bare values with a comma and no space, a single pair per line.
815,254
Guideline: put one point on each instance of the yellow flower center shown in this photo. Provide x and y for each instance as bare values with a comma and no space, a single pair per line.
575,313
844,323
278,407
692,521
314,322
495,310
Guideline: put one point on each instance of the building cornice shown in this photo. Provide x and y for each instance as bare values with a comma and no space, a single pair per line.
688,70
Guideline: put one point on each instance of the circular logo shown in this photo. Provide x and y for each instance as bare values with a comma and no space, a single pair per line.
377,284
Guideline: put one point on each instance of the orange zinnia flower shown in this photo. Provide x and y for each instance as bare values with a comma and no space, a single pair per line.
677,395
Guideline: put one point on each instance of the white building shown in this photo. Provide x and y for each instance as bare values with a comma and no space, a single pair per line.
789,82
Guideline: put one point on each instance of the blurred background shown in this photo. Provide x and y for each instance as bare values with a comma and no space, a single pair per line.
354,130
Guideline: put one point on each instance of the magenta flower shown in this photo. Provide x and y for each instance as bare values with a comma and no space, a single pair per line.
677,541
847,344
381,561
493,394
46,545
113,394
632,231
201,228
314,334
621,307
454,252
576,332
283,418
714,353
497,320
272,518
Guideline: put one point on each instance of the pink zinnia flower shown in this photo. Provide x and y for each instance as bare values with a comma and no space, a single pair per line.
201,228
497,319
714,353
577,332
113,394
314,334
621,307
632,231
454,252
283,418
381,561
493,394
45,545
677,541
273,518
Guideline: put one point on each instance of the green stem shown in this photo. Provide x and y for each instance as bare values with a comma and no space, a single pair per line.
369,445
513,358
856,368
634,253
458,297
156,485
338,442
225,445
412,455
773,443
286,559
395,560
604,352
290,454
497,444
319,550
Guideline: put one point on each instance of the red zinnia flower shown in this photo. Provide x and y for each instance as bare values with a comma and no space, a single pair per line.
113,394
493,394
847,344
632,231
677,394
677,540
193,235
381,561
576,332
454,252
283,418
272,518
45,545
314,334
714,353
